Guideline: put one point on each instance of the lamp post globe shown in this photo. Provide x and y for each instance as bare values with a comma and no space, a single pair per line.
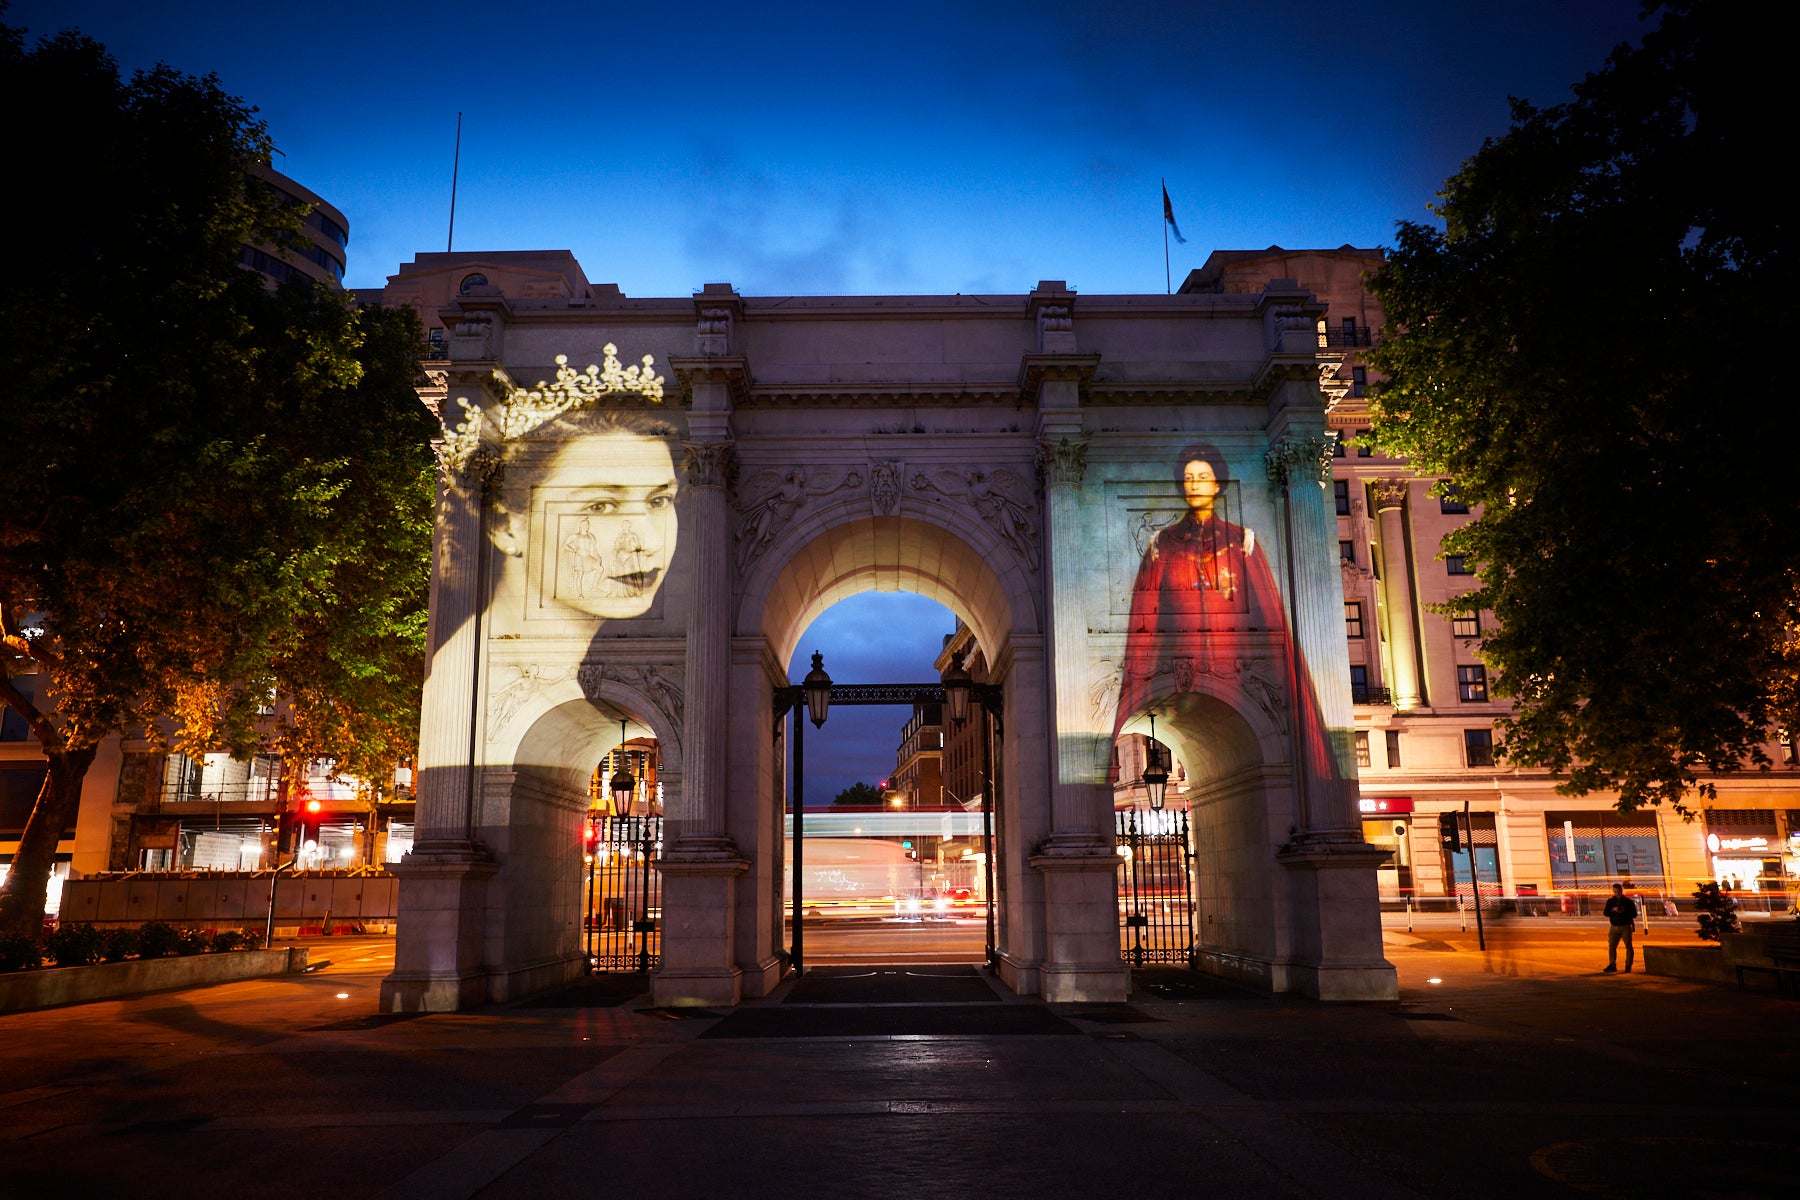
957,686
622,784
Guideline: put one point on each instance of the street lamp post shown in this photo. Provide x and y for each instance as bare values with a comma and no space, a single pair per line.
815,691
1156,769
622,785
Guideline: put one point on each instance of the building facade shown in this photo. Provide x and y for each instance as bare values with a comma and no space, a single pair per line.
644,538
1424,710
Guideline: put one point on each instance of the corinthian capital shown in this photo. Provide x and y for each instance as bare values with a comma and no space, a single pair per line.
1300,459
1389,493
1063,461
709,464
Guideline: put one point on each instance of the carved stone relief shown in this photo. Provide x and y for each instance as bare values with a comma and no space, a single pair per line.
771,500
999,497
884,486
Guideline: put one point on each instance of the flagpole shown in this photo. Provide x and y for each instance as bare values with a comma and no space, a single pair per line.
456,168
1168,280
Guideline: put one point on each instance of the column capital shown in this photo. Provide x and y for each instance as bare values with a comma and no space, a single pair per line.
709,464
1390,493
1062,462
1299,458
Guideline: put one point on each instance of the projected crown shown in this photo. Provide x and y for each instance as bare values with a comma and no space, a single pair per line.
524,409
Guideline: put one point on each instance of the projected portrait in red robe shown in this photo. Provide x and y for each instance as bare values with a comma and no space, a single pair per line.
1204,600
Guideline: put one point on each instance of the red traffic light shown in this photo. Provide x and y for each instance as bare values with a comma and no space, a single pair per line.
313,806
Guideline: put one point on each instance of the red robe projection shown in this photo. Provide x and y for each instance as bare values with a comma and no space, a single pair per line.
1204,593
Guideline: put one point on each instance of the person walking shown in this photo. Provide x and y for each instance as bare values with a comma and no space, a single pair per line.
1621,915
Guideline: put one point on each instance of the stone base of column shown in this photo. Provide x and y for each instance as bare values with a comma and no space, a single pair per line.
699,890
1337,919
1081,961
438,959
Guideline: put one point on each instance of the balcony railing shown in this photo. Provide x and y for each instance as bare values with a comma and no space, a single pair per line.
1362,693
1346,337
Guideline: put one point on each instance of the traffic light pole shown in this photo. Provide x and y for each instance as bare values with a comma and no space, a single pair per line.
1474,874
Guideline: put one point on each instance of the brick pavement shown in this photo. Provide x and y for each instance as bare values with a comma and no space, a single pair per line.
1520,1073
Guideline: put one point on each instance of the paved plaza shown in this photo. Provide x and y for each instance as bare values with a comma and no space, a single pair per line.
1521,1071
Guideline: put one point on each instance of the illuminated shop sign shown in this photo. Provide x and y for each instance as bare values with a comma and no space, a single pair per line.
1381,806
1755,845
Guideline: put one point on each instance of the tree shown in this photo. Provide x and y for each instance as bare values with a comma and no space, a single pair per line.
218,495
859,794
1579,350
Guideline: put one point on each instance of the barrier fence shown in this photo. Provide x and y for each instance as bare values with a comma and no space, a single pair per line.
321,899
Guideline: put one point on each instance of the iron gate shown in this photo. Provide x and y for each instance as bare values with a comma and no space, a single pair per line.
1156,896
624,898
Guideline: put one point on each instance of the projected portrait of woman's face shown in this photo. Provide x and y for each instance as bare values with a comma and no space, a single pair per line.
612,523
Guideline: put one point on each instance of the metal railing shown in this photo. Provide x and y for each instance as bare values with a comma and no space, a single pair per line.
624,894
1346,337
1362,693
1156,902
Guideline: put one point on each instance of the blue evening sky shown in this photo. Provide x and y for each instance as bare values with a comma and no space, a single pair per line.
861,148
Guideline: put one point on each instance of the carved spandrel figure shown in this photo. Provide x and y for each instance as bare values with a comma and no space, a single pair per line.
1007,516
765,518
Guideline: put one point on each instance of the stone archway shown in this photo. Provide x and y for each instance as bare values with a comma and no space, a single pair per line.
615,539
843,550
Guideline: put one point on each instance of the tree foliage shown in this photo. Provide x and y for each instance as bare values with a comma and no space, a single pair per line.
860,794
1583,349
216,523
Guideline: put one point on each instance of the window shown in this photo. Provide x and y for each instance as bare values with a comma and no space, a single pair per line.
1347,551
1359,678
12,725
1478,747
1393,749
1362,748
1359,380
1365,443
1447,501
1471,684
1457,564
434,344
1340,488
1337,446
471,282
1466,625
1353,618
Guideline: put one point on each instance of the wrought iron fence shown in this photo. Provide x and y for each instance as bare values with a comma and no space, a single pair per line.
1156,899
624,894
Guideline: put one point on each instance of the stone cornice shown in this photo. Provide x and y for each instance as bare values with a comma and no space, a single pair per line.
1035,370
732,370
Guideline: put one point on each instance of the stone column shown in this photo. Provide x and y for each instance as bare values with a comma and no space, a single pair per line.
1300,466
1334,930
1395,589
701,863
443,881
699,818
1081,939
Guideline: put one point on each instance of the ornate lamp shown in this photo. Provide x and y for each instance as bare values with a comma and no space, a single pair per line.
622,785
1156,768
817,686
957,686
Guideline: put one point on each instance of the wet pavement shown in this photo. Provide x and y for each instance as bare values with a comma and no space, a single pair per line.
1521,1072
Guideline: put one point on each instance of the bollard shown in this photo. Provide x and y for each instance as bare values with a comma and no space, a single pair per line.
1462,915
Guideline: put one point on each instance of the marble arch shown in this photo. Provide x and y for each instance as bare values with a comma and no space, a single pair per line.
617,540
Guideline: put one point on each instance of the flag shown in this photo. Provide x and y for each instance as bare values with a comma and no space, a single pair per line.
1169,215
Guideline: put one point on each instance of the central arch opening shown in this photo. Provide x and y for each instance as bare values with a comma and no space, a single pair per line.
895,850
